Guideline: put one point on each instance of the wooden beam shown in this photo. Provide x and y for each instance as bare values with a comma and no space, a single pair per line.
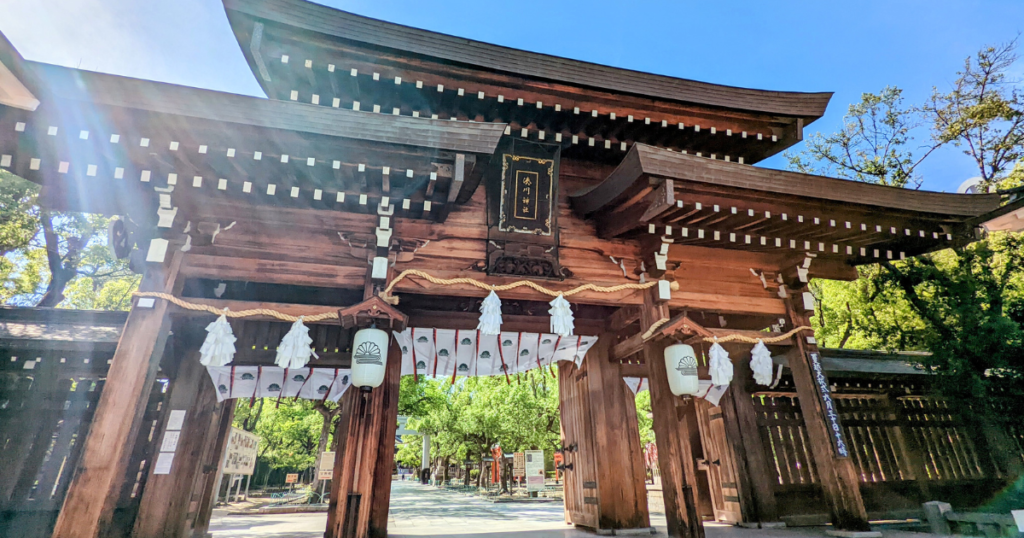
628,347
662,200
272,271
458,176
627,369
623,317
677,480
92,496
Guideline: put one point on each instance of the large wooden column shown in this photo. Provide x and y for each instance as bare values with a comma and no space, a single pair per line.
165,500
216,444
359,504
94,490
757,495
386,452
674,457
839,482
621,489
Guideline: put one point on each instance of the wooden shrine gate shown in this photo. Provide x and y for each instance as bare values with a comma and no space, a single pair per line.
398,176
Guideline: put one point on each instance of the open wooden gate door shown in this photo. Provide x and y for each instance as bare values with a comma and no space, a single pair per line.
719,463
581,502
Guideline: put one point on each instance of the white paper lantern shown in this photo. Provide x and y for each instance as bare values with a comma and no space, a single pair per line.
681,365
369,358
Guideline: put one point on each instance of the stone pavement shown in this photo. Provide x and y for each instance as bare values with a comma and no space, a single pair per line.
418,510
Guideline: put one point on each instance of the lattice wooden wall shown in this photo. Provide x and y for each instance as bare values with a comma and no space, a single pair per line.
908,447
47,401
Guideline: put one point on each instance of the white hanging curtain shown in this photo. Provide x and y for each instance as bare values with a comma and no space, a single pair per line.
470,352
272,382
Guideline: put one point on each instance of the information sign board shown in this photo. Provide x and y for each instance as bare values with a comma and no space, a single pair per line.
241,452
326,470
534,470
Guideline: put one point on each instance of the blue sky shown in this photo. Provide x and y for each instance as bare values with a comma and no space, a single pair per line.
845,47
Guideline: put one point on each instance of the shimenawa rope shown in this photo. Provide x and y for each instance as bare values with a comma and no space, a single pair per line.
386,294
749,340
239,314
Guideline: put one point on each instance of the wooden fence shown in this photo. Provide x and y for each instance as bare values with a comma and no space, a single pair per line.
47,400
908,447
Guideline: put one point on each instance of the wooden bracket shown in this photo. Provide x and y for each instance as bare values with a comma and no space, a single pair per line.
373,311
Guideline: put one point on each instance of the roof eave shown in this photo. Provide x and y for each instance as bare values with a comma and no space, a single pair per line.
311,17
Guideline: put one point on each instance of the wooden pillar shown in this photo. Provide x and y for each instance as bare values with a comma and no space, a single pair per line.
677,481
757,494
89,504
839,481
366,416
386,452
165,500
215,447
621,489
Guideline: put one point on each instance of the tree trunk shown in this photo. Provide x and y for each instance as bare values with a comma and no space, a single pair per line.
250,422
444,470
325,434
62,268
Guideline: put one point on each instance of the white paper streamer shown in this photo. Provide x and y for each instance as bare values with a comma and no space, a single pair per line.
561,317
761,364
719,365
490,315
295,350
637,384
219,347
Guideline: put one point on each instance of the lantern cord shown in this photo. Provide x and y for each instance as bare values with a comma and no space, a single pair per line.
386,294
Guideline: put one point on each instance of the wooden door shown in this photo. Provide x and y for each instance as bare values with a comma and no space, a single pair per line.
581,502
719,464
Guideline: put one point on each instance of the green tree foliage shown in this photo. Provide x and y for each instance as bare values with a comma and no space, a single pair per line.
466,419
872,145
964,304
51,259
644,418
289,432
983,113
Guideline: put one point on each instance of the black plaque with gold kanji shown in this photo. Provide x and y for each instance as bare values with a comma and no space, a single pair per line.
527,194
522,192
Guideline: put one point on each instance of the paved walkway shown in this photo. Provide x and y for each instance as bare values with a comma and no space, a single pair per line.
418,510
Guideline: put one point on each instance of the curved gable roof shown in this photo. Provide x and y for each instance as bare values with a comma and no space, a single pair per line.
308,16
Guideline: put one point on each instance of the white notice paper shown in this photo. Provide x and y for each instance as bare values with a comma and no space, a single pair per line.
177,418
170,443
163,463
